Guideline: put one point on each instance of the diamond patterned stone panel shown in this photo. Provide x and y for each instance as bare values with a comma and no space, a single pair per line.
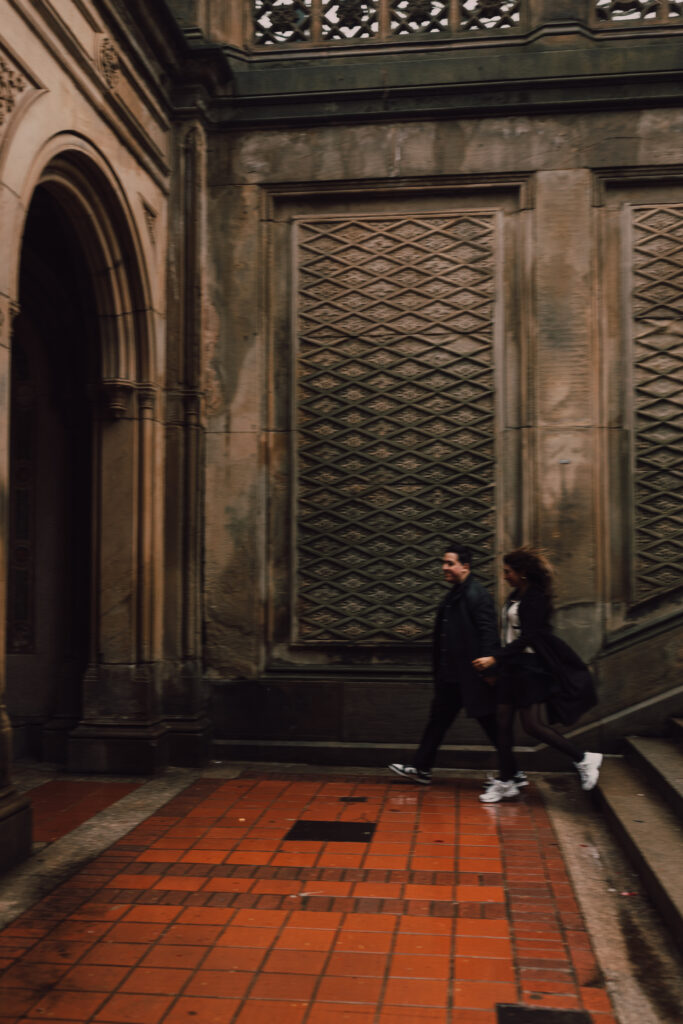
395,418
657,301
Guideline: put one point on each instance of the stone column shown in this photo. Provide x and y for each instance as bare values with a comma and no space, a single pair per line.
184,695
565,395
15,811
122,730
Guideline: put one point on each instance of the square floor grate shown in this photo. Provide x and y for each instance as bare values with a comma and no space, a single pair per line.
508,1014
332,831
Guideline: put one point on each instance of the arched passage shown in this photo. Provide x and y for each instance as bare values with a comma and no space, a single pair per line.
53,377
82,645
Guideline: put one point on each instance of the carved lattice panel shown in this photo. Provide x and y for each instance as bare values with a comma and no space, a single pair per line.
638,10
395,418
281,21
658,397
488,14
412,16
349,19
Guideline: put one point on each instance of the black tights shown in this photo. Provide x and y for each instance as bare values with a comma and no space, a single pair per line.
533,724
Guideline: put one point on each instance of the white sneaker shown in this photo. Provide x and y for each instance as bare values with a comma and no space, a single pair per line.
589,769
519,778
499,790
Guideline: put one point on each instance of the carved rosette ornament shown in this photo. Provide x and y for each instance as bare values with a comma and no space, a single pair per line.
12,82
110,64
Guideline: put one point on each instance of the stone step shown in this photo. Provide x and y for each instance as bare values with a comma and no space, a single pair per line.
650,834
661,762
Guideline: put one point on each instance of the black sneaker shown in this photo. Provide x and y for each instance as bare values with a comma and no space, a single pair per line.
406,771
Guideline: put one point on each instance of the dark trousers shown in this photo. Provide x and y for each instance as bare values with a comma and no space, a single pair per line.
446,704
533,724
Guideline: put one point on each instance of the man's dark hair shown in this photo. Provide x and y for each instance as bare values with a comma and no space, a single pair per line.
462,551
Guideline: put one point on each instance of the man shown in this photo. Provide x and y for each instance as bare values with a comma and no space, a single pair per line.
465,629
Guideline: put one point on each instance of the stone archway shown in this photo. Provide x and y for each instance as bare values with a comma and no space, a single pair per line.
53,375
104,468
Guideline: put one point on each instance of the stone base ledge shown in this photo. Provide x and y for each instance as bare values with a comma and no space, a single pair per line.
16,821
377,755
118,750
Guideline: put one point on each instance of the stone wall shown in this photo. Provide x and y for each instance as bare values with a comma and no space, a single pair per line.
357,289
322,548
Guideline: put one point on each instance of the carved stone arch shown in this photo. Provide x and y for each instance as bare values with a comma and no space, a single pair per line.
91,196
120,727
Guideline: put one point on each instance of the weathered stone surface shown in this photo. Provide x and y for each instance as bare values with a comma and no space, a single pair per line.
184,158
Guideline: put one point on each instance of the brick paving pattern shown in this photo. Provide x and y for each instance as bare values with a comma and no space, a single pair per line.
206,914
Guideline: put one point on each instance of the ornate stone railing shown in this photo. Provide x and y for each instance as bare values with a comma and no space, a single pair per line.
650,11
327,21
316,22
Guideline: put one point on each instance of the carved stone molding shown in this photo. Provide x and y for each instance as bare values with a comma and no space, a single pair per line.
9,310
183,406
150,216
117,395
193,172
192,405
109,62
12,82
147,398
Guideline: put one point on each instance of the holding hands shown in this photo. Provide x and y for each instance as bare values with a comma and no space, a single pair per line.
481,664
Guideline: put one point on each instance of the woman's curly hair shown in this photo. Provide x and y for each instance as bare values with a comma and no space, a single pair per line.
530,563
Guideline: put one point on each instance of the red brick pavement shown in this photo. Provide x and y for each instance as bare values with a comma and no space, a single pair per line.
206,914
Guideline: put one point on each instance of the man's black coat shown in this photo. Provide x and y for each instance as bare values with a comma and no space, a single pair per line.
466,628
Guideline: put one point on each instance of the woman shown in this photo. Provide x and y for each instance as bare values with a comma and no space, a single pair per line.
536,668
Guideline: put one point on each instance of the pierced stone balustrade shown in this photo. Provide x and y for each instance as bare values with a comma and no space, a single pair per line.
322,22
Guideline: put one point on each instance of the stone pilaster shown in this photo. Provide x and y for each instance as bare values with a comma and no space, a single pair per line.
15,810
184,691
122,728
564,389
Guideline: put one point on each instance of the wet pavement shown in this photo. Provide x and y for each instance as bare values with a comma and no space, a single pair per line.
294,895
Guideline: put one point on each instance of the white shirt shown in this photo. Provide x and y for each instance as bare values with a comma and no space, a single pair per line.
513,628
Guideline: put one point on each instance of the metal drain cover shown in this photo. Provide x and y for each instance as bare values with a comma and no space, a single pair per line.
332,831
508,1014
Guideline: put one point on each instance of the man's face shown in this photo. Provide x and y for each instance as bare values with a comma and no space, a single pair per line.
453,569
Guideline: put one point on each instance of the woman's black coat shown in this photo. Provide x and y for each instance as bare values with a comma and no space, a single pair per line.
574,693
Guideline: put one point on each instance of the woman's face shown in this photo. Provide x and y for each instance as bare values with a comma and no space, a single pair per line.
511,576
